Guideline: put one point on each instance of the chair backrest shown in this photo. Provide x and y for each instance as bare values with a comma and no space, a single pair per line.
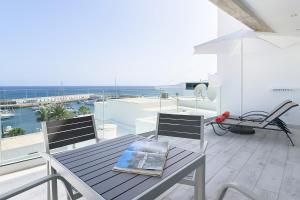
278,107
184,126
275,110
277,113
70,131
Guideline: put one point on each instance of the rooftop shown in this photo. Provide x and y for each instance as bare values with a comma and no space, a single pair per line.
265,163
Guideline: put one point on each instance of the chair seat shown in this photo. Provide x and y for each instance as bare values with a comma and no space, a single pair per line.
238,122
251,124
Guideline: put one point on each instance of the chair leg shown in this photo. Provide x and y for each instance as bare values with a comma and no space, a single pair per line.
48,183
287,132
289,138
219,134
54,186
199,188
222,191
70,194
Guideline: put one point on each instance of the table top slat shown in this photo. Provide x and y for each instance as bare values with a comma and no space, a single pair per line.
92,156
99,179
130,193
73,153
101,171
98,148
122,178
93,165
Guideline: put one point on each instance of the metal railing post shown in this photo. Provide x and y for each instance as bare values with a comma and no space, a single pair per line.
0,141
103,112
177,102
196,103
160,100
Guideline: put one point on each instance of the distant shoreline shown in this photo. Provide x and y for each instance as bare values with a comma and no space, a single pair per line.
60,86
25,92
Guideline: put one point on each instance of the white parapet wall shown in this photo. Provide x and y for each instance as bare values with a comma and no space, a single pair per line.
126,111
201,103
140,113
19,147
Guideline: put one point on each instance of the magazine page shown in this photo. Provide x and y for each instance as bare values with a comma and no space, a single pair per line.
147,158
149,147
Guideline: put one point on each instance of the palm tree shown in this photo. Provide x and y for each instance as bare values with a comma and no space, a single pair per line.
83,110
43,114
59,112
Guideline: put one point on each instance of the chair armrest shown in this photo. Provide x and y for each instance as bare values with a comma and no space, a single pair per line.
151,137
255,111
203,146
254,114
45,155
222,191
34,184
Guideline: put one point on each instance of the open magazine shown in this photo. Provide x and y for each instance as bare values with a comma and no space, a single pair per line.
143,157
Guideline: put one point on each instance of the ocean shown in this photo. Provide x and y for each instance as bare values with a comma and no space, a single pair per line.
16,92
26,118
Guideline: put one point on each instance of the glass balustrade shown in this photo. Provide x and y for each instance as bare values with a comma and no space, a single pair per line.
117,110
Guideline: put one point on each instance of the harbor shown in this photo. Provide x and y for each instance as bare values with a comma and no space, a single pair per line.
27,117
20,106
37,101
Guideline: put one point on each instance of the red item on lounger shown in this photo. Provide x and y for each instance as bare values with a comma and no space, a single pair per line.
220,119
226,114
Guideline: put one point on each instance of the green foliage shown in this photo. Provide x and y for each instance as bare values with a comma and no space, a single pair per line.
54,112
83,110
15,132
59,112
43,114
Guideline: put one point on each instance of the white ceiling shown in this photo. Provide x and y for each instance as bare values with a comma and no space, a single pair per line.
283,16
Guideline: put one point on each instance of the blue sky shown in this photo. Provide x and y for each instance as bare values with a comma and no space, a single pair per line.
78,42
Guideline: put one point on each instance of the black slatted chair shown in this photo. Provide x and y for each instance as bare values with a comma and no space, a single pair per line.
62,133
182,126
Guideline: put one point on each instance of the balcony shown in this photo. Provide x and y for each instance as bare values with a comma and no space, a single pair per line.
127,111
264,163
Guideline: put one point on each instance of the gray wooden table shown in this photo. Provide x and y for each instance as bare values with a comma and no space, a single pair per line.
89,170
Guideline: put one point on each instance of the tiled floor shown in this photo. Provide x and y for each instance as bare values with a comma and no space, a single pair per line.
265,163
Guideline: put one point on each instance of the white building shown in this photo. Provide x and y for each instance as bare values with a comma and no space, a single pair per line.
257,74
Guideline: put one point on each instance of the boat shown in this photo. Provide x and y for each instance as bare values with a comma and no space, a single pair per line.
89,102
7,129
35,108
70,108
6,114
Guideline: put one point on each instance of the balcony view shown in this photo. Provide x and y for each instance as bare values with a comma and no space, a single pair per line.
166,100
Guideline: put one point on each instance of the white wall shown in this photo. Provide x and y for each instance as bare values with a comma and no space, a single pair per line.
265,67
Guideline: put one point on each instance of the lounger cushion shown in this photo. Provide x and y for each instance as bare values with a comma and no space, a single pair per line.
222,117
219,119
226,114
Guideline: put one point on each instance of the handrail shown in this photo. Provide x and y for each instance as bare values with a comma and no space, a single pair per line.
223,190
36,183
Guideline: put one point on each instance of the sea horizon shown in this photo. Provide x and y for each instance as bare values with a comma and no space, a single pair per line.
19,92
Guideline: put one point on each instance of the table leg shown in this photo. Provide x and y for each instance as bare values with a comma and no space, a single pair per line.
199,192
54,186
48,184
